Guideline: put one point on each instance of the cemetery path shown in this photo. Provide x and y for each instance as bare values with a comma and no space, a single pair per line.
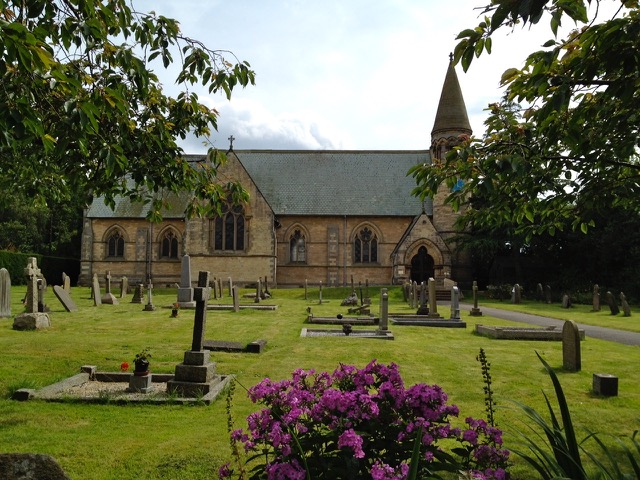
603,333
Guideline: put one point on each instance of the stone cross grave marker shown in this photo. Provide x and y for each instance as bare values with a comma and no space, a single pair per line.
5,293
201,296
149,307
475,311
108,297
596,298
95,289
33,318
66,301
571,356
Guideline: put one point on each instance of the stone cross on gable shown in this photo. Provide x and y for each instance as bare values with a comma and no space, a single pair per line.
201,296
231,139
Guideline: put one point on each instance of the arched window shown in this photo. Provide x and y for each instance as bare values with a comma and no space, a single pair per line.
365,247
228,229
297,248
115,244
169,245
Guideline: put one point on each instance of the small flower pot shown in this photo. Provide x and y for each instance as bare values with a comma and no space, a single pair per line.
174,312
141,368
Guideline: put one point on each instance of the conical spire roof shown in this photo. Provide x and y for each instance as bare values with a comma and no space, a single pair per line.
452,112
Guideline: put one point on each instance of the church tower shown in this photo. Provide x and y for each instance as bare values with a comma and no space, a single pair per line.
450,127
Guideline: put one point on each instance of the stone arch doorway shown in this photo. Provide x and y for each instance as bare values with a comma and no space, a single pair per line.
422,266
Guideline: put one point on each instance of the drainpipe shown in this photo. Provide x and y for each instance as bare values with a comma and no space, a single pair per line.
344,254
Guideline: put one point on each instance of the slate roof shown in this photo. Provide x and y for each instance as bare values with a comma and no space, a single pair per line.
308,182
303,182
452,112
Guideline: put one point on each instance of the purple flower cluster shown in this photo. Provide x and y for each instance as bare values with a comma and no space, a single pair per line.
360,423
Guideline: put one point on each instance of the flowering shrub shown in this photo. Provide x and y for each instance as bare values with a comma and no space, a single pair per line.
361,424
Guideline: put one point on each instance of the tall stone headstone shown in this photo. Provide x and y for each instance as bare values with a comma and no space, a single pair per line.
5,293
475,311
66,301
138,294
571,355
258,296
185,292
124,286
306,288
95,290
547,294
596,298
455,303
539,293
423,308
236,298
626,309
516,296
414,295
613,305
320,293
384,310
66,282
566,301
433,302
230,286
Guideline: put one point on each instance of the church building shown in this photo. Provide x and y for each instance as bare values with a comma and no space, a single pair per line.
321,216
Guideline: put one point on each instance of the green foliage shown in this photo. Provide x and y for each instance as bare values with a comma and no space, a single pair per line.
560,455
84,113
15,264
564,139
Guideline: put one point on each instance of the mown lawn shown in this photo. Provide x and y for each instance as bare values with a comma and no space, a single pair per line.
189,442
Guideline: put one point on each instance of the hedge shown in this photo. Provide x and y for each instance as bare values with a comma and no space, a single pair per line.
51,267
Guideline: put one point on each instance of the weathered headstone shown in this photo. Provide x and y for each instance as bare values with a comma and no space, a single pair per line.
320,293
613,305
258,296
5,293
185,292
433,303
423,308
414,295
626,310
367,299
384,310
138,293
236,299
547,293
475,311
95,290
596,298
66,282
566,301
124,286
66,301
455,303
539,292
220,294
571,355
230,286
42,288
266,293
306,288
108,297
516,294
25,466
149,307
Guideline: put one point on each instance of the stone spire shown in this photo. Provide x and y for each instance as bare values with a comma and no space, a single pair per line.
451,118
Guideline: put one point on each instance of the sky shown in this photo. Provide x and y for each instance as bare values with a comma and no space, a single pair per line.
342,74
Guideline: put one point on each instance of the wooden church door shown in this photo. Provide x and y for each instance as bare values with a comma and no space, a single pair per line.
422,266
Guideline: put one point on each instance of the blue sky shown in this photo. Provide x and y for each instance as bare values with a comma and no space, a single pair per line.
342,74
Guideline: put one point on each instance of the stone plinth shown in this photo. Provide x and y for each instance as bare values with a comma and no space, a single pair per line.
195,376
605,384
31,321
140,383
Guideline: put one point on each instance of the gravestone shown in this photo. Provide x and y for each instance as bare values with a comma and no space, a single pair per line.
214,290
423,308
320,293
455,303
613,305
258,292
475,311
220,295
195,375
566,301
414,295
596,298
366,300
66,301
42,288
32,319
547,293
230,287
433,304
626,310
266,293
516,294
138,293
124,286
571,355
306,288
236,299
605,384
5,293
149,307
30,466
108,297
66,282
383,325
185,292
539,292
95,290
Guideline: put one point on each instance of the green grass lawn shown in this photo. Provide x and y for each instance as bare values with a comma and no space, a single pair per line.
110,441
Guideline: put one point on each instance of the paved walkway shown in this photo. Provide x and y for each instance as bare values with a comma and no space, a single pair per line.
603,333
